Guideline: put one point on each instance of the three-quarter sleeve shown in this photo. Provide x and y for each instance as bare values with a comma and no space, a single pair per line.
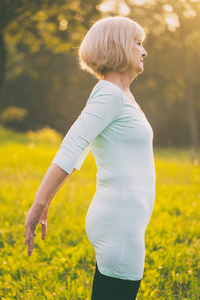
82,157
102,108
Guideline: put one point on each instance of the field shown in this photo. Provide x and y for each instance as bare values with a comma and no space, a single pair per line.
62,266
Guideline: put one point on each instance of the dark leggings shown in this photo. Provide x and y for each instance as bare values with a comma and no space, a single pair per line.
110,288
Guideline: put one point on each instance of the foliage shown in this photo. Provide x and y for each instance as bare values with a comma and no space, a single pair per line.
171,69
13,113
45,135
43,75
62,266
31,32
56,26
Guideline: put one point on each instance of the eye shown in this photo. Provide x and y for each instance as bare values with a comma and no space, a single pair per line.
139,43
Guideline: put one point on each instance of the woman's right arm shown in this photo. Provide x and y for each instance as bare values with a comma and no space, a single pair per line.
51,183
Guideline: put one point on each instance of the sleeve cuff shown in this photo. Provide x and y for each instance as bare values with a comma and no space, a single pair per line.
82,157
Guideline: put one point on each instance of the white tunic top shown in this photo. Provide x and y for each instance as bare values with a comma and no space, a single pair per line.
121,142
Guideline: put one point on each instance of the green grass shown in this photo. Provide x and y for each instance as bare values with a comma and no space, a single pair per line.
62,266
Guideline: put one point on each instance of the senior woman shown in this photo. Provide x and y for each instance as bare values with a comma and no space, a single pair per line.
116,130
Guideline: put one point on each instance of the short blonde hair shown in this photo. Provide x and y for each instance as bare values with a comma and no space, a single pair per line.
107,46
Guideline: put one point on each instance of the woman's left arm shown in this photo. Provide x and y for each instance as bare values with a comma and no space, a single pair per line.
53,180
43,218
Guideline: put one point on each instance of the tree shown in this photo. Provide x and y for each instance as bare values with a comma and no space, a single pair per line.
32,26
43,74
174,43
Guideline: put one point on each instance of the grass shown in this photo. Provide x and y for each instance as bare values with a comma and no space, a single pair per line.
62,266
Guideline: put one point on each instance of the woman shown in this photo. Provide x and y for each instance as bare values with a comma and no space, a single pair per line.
120,137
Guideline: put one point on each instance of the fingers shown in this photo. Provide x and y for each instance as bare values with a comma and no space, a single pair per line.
44,229
43,221
30,245
27,239
30,242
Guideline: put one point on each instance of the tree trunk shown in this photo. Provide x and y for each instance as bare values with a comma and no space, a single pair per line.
2,55
192,121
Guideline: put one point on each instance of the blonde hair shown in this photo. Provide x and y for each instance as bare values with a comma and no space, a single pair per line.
107,46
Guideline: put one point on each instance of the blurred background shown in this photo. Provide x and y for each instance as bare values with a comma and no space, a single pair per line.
42,92
41,83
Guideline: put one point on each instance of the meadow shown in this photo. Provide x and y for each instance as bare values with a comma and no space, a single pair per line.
62,266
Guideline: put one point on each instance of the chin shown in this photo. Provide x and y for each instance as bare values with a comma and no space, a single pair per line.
137,71
140,70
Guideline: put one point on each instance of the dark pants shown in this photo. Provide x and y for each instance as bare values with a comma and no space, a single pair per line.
109,288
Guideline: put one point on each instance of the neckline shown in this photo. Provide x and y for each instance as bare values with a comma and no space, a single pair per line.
138,109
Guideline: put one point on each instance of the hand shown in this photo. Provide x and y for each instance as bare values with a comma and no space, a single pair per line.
51,183
30,234
31,222
43,222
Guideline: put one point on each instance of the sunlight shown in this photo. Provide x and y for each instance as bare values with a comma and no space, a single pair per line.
172,21
168,7
63,24
120,6
142,2
189,12
107,6
124,9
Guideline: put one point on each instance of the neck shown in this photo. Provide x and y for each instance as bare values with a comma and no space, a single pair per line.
120,79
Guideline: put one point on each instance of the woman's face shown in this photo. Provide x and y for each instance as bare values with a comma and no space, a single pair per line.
138,54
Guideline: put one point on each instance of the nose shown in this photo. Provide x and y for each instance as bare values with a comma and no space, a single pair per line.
144,53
